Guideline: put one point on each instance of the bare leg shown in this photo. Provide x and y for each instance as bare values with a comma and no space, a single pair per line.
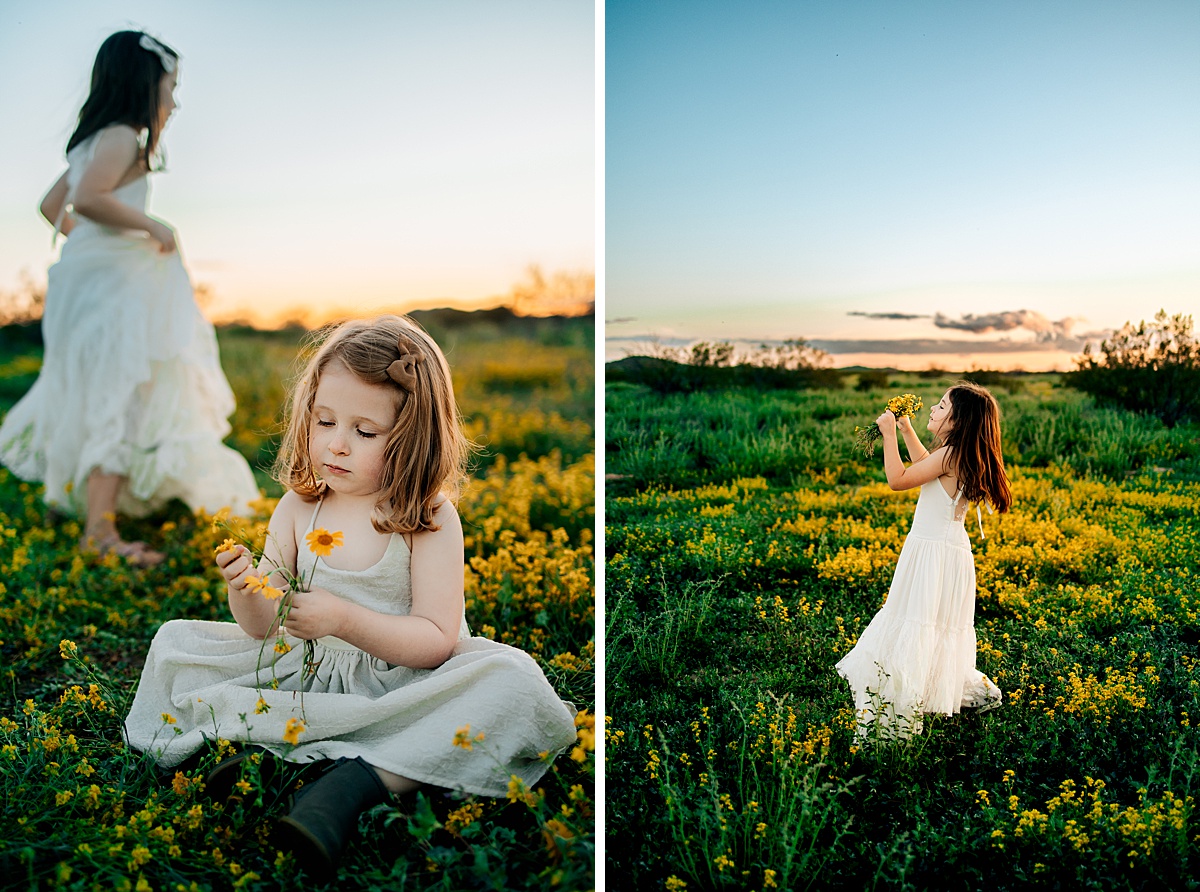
100,532
395,783
102,492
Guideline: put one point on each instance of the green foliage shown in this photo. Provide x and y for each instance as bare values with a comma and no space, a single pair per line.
81,811
872,379
719,436
730,737
1151,367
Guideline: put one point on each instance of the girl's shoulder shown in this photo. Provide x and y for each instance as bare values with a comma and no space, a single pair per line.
292,507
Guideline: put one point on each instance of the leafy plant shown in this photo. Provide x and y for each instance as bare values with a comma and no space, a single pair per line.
1151,367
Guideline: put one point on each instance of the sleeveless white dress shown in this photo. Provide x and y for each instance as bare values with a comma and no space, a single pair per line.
917,655
131,381
204,675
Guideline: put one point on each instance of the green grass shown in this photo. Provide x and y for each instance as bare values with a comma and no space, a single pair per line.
80,811
747,547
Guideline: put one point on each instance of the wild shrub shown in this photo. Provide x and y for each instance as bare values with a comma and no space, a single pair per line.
872,379
1152,367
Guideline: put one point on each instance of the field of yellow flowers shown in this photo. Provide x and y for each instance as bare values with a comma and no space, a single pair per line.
80,811
747,546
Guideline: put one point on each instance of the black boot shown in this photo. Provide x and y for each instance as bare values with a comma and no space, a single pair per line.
325,813
219,783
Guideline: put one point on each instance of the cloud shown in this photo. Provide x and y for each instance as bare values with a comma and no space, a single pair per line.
958,346
1047,330
887,315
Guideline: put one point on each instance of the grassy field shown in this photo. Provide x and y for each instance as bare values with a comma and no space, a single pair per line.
747,546
80,811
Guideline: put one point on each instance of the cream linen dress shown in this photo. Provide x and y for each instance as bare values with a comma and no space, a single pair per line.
203,674
131,381
917,655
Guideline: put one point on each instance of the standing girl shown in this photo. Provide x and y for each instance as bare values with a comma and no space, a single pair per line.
374,450
131,405
918,653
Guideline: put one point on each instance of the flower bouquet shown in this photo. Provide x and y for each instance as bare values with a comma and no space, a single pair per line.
321,542
904,406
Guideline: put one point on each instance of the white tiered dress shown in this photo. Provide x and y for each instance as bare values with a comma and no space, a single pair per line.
205,675
917,655
131,381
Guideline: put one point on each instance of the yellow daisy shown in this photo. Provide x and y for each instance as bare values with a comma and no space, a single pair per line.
321,542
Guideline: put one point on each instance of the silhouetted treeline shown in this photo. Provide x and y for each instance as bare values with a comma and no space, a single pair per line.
666,376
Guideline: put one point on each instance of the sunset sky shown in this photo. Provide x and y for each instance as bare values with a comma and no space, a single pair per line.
330,157
908,184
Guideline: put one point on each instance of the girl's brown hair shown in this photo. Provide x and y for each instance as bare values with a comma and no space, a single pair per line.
426,451
974,441
124,90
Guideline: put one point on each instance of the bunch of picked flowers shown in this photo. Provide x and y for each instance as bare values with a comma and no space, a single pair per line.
904,406
321,542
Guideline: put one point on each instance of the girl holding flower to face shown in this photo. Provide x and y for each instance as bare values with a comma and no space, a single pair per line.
374,451
917,655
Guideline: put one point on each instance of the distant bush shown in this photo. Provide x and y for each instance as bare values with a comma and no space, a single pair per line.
666,376
1151,367
872,379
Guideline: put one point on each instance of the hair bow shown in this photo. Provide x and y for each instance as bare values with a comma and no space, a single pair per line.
404,370
149,43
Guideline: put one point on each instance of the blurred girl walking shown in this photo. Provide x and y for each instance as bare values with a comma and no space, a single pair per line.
131,405
917,655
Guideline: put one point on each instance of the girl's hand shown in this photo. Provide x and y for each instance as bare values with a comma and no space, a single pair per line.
886,422
164,235
315,614
904,422
235,566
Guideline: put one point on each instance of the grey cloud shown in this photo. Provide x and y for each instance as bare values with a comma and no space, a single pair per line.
887,315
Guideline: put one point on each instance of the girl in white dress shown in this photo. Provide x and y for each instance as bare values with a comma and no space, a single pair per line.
131,405
374,451
917,655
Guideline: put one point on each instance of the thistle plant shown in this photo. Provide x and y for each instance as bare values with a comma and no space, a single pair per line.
906,405
321,542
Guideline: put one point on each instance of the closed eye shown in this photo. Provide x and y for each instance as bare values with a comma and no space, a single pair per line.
324,423
367,435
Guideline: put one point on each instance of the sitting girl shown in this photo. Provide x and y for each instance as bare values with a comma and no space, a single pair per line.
374,450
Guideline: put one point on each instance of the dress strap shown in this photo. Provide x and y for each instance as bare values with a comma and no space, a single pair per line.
312,521
979,519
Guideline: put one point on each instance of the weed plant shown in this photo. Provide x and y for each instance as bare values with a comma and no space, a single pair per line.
747,547
81,811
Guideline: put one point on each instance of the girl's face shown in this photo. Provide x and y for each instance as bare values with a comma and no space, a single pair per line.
939,416
166,96
351,420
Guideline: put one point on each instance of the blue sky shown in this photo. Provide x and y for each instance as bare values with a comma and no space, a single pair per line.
772,167
343,156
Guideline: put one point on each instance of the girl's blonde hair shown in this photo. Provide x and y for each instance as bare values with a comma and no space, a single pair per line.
426,452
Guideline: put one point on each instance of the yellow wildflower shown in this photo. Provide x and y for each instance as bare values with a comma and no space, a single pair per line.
67,649
261,706
462,737
168,719
291,734
227,545
321,542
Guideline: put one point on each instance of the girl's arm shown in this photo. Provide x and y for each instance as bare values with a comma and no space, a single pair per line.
115,155
52,206
916,449
254,613
900,478
421,640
